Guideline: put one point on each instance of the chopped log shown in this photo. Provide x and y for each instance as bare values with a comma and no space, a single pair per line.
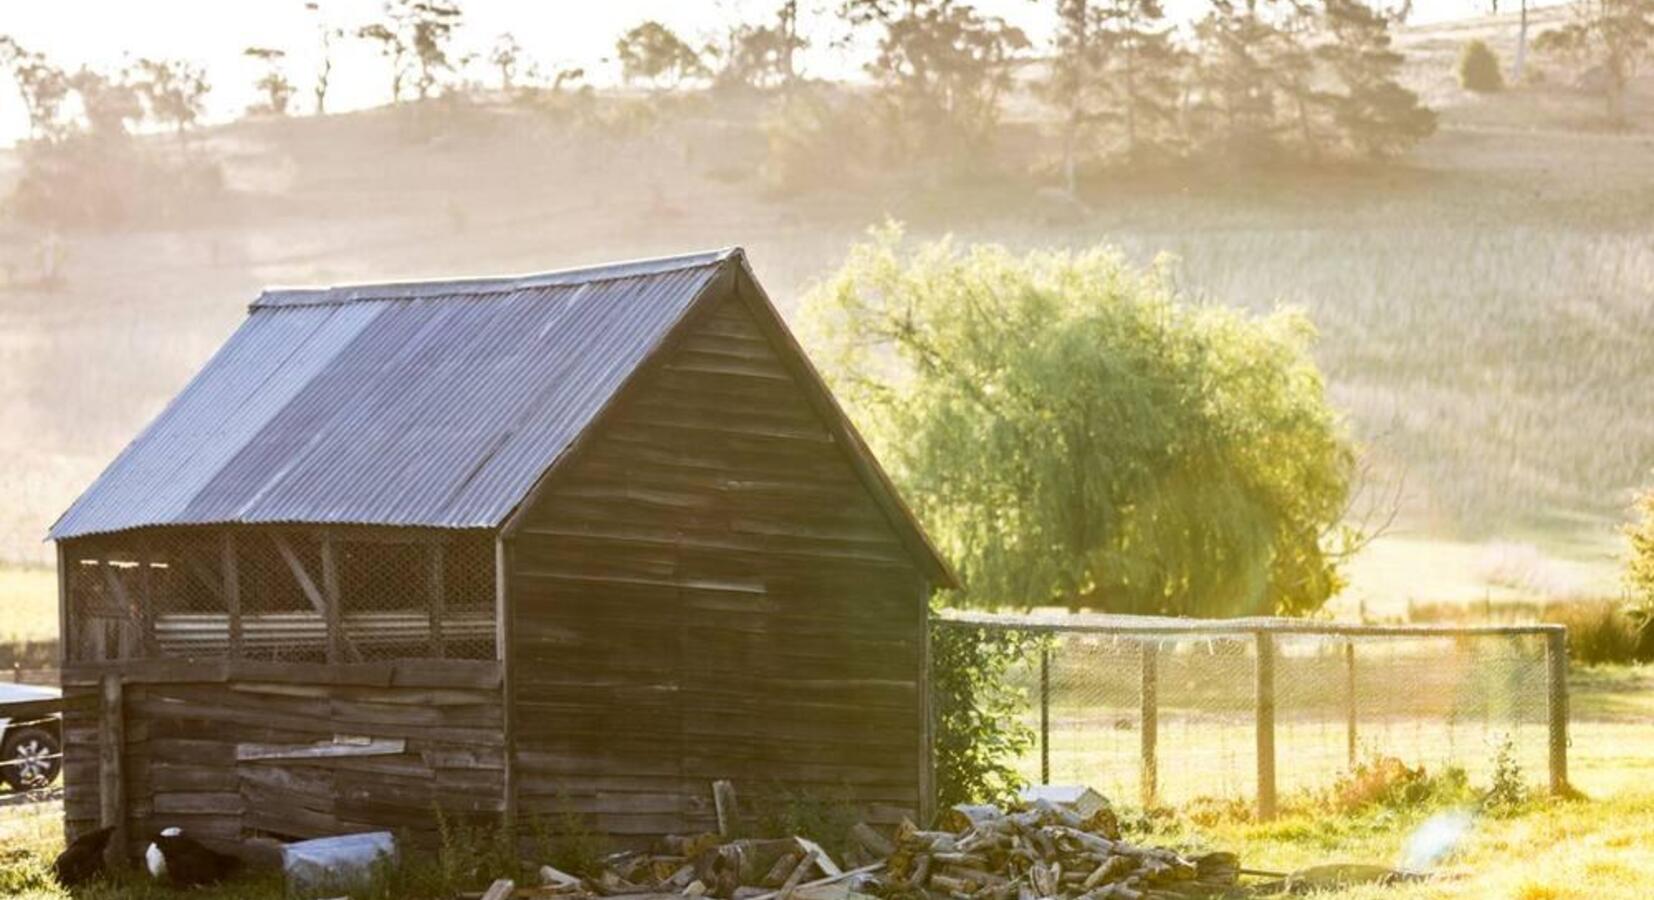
499,890
822,860
723,802
784,866
551,875
869,837
796,878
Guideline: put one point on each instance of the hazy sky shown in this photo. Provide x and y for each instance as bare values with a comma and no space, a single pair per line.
556,33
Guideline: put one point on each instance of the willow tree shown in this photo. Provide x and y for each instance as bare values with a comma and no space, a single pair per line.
1075,433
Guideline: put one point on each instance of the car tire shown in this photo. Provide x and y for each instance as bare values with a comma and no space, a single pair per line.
38,755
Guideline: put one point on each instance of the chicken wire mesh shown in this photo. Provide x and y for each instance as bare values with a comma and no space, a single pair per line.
290,594
1173,718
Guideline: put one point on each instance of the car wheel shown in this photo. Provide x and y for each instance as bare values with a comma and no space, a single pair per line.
32,759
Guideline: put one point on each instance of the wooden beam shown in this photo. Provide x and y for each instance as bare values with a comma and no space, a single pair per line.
204,574
333,749
65,635
337,642
330,591
146,599
111,762
231,594
438,599
35,709
508,686
296,566
927,713
129,626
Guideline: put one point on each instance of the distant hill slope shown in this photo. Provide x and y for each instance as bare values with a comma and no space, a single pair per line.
1487,306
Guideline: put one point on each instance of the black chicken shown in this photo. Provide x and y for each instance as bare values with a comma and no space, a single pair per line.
82,860
189,864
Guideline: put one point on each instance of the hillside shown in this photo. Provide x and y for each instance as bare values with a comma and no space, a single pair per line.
1487,308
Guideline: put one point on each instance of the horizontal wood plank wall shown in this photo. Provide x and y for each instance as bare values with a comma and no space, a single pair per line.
186,721
709,592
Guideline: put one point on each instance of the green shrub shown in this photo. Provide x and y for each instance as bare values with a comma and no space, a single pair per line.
1507,791
1385,782
568,842
785,812
978,737
1479,68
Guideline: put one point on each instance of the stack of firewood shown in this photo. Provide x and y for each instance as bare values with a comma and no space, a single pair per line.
1042,851
703,866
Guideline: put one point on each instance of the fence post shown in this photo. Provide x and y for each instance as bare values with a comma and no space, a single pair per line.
1556,658
1045,713
111,776
1265,702
1150,724
1350,703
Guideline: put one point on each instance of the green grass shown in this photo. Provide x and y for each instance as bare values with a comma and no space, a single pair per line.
1598,847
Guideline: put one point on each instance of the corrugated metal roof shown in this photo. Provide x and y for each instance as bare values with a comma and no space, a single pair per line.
431,404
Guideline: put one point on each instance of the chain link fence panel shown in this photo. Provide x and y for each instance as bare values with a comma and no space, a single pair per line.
1172,712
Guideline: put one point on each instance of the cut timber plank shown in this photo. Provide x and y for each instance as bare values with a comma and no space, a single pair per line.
322,749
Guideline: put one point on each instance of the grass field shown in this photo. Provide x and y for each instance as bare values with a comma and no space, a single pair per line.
1598,847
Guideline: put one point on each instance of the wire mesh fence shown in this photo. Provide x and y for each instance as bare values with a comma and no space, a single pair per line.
290,594
1167,711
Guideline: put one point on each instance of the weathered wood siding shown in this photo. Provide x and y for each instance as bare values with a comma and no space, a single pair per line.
707,590
186,720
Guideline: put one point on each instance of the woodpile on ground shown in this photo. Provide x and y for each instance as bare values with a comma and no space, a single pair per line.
1041,851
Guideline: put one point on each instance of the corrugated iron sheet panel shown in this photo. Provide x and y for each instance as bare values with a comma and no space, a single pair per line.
435,404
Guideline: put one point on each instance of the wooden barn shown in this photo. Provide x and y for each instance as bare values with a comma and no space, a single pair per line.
582,541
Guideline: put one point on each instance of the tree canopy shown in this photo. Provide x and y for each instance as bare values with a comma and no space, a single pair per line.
1073,432
651,51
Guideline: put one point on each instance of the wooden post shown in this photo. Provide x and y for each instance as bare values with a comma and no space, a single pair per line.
1045,714
65,631
1149,718
1556,658
508,685
330,592
927,714
439,602
1351,705
146,600
111,756
232,592
126,627
1265,701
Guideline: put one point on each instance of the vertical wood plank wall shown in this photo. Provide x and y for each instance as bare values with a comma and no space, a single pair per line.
709,592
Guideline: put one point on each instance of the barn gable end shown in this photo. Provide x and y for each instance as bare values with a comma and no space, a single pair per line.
709,589
579,541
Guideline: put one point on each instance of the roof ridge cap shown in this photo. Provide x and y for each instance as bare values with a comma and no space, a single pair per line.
338,295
